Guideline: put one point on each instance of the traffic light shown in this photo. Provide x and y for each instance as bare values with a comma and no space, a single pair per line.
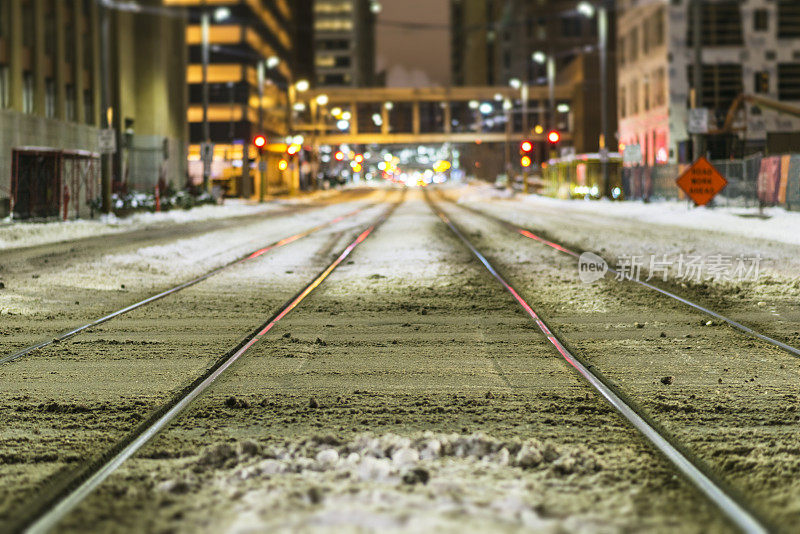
553,137
525,149
339,156
260,142
283,165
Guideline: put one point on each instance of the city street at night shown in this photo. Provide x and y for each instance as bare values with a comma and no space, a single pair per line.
399,266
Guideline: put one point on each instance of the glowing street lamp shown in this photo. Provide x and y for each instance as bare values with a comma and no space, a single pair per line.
302,86
586,9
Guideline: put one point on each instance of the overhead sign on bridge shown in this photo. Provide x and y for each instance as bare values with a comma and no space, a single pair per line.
702,182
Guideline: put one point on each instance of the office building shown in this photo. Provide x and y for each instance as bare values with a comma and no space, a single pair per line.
750,47
50,115
249,74
344,42
494,43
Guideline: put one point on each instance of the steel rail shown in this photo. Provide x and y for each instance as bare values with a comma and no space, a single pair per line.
734,511
64,504
75,331
731,322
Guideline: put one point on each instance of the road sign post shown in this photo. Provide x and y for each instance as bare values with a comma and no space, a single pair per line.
107,141
698,121
702,182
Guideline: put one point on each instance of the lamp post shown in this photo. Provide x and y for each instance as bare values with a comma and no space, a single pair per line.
550,67
301,86
205,22
588,10
105,104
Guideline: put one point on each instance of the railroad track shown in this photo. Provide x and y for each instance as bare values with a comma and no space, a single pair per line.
560,247
691,467
63,496
180,287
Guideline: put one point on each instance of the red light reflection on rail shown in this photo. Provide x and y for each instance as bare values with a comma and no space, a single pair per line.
556,246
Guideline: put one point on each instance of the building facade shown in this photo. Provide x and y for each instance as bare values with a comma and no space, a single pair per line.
344,40
50,111
249,76
749,47
494,41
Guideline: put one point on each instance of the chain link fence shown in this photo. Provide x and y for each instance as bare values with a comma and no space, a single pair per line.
658,182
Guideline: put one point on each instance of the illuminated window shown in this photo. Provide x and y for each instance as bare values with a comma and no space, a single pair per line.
326,61
344,6
333,25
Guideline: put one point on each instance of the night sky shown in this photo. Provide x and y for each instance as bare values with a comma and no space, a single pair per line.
414,57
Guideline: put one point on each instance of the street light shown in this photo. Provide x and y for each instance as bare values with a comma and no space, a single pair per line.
221,14
323,100
302,86
586,9
541,58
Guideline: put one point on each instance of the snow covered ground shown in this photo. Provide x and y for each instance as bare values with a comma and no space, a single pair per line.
777,225
25,234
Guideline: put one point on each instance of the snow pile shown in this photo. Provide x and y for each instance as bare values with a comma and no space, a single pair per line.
425,482
778,224
27,234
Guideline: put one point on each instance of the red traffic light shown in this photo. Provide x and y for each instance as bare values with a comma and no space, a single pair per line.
260,141
553,136
339,156
526,146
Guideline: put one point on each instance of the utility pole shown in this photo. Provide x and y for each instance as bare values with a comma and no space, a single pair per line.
105,104
602,32
551,90
263,188
526,131
697,78
204,30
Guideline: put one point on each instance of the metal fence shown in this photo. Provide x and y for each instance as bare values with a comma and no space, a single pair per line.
658,182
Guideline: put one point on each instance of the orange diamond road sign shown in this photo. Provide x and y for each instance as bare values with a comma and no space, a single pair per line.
702,182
